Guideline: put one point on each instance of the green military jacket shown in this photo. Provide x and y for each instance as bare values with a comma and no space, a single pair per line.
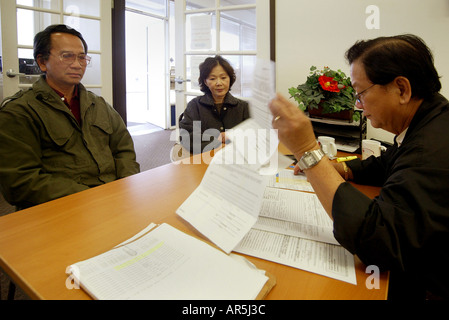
45,154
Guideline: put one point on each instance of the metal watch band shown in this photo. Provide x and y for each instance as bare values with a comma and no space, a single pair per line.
310,159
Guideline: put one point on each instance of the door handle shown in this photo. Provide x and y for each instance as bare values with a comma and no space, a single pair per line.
11,74
180,80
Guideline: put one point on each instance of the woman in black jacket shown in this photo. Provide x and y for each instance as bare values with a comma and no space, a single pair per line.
204,123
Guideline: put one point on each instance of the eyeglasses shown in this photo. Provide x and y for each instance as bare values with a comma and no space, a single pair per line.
69,58
359,95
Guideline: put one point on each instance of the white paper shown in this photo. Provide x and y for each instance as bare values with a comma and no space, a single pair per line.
294,229
286,179
200,37
168,264
195,62
255,138
299,207
295,213
226,204
318,257
138,235
277,162
257,145
263,91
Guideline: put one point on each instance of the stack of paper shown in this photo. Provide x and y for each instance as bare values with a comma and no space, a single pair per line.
294,229
167,264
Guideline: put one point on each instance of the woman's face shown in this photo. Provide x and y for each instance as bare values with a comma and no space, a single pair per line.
218,83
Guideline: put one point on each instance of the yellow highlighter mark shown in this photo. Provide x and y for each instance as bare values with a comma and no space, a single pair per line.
138,258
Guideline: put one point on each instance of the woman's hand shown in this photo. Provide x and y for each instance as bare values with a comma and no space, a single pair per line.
294,127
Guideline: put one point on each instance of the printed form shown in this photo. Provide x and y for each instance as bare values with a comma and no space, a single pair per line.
294,229
226,204
262,140
164,264
318,257
286,179
295,213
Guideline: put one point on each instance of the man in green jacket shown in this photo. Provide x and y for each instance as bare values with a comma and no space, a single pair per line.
57,138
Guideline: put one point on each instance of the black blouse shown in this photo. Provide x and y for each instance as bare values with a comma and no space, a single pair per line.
202,122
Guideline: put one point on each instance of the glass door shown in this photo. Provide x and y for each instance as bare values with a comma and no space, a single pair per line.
238,30
147,71
22,19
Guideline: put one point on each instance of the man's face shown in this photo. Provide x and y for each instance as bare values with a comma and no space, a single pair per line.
60,75
377,102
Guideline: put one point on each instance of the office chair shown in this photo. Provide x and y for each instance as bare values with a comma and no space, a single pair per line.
11,289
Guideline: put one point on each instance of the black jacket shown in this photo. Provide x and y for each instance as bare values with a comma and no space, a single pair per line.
406,228
201,122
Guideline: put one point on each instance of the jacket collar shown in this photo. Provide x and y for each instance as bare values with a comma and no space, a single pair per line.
229,100
428,110
45,92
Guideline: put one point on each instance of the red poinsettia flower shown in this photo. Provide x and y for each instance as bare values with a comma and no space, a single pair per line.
329,84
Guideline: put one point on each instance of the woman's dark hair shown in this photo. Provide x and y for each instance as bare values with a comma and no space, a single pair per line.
206,68
42,40
386,58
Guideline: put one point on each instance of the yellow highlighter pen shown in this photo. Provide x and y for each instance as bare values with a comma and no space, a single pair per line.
342,159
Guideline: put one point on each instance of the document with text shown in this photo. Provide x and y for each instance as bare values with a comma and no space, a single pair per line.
301,211
294,229
314,256
167,264
286,179
255,138
227,202
263,91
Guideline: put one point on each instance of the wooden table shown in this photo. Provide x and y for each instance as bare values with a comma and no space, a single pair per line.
37,244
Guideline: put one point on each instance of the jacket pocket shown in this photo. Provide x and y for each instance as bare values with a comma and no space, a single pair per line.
59,129
104,126
54,120
98,118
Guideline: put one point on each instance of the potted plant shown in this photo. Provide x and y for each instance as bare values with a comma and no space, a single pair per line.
326,93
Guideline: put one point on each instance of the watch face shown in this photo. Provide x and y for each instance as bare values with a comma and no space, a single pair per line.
309,160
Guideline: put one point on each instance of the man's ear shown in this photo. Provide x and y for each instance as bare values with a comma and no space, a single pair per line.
40,60
404,88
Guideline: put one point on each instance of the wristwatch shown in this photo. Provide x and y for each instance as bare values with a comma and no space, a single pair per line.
310,159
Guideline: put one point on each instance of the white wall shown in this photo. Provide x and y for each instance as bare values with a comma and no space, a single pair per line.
319,33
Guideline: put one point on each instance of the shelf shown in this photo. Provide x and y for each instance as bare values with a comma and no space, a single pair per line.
348,135
336,122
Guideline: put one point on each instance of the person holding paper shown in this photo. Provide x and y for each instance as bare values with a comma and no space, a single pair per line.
406,228
206,118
